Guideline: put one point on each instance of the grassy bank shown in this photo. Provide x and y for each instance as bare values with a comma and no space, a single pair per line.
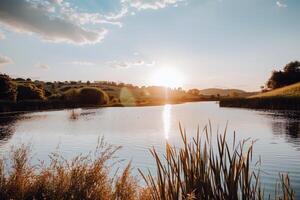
42,105
285,98
267,103
194,171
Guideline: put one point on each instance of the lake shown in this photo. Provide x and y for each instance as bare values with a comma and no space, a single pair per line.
137,129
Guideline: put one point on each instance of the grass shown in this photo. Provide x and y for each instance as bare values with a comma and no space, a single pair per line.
285,98
288,91
79,178
197,171
194,171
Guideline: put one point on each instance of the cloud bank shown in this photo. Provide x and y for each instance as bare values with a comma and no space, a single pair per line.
28,17
61,21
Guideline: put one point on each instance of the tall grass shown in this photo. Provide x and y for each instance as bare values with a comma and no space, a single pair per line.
84,177
196,170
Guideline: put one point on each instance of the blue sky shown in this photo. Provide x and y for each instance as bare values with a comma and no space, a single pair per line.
211,43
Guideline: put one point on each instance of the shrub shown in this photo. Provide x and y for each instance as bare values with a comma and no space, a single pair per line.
289,75
7,88
93,96
29,92
83,177
71,95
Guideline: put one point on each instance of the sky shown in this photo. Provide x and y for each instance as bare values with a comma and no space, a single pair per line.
202,43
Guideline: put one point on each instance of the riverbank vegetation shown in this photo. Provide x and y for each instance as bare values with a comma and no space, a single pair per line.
25,94
282,91
196,170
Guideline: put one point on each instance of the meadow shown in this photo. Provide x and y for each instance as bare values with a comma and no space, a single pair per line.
284,98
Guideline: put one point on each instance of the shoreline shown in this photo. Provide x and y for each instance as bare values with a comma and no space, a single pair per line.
57,108
266,103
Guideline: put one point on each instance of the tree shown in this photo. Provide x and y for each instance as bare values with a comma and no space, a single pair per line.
292,67
7,88
93,96
289,75
29,92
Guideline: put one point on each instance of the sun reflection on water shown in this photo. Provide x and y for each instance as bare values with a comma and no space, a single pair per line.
167,120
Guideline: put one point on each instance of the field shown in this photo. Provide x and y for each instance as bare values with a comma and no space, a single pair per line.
285,98
288,91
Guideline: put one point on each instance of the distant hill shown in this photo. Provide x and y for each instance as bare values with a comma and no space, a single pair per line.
287,91
225,92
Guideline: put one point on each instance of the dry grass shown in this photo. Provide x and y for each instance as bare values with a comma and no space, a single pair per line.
195,171
287,91
80,178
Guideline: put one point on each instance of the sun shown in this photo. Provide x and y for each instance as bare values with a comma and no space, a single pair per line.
167,77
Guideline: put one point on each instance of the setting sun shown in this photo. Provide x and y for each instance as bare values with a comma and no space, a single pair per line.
167,77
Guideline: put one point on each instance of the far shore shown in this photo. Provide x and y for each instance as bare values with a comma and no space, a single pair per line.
37,108
270,103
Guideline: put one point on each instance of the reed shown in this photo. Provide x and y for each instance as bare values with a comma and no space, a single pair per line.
198,171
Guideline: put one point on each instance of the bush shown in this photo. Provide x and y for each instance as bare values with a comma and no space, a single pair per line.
7,88
289,75
93,96
83,177
86,96
29,92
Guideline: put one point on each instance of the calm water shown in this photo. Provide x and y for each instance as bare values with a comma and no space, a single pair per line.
138,129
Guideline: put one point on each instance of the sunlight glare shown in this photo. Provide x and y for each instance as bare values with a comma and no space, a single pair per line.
167,120
167,77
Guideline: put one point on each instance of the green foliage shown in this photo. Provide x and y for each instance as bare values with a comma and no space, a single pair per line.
86,96
7,88
289,75
71,95
93,96
29,92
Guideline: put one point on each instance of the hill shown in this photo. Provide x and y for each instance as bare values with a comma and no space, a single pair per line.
287,91
224,92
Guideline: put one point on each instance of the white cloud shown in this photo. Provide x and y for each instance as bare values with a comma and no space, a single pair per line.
118,15
128,64
29,17
61,21
2,36
43,66
4,60
82,63
281,5
150,4
56,1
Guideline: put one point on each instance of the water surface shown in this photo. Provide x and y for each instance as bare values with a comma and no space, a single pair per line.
137,129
